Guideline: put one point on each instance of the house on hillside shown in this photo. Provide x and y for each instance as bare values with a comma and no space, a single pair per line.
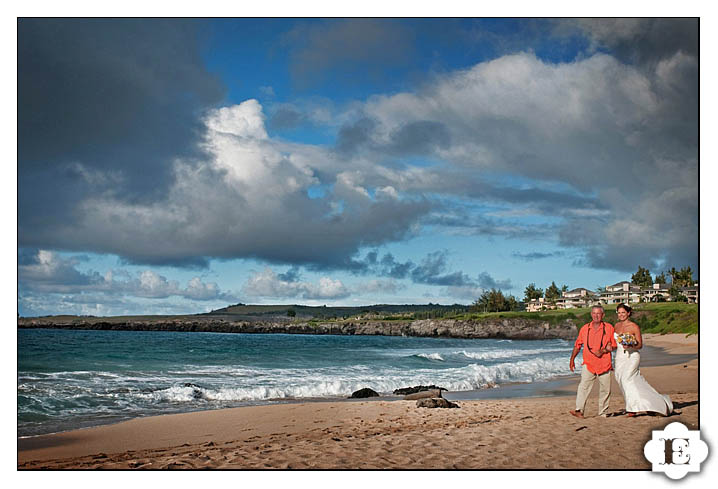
656,291
622,292
540,304
627,293
691,293
579,297
571,299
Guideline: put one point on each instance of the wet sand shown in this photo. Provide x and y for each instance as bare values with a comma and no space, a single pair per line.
508,433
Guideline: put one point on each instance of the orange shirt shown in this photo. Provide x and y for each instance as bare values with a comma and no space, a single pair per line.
593,339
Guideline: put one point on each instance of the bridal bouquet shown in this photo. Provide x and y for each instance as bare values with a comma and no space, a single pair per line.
627,340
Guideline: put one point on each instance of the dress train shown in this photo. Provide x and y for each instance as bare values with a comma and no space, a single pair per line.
637,392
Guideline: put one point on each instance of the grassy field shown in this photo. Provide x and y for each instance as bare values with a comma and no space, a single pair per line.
665,317
380,311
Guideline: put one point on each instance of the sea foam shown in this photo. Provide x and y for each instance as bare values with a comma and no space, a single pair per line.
94,377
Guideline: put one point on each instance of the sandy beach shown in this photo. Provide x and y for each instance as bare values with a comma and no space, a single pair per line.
514,433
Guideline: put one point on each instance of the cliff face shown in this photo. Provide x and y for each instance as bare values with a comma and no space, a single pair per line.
510,328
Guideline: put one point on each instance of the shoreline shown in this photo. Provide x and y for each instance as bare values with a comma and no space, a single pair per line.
307,432
556,386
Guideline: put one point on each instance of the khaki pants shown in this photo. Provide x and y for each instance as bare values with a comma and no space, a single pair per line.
586,385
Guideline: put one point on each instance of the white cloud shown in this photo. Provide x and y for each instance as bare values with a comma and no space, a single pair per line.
624,134
379,286
596,126
151,284
463,292
198,290
50,273
268,284
249,199
520,114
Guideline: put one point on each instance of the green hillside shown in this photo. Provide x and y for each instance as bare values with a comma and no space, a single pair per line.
377,311
665,317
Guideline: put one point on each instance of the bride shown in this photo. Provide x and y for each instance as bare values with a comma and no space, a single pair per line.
638,394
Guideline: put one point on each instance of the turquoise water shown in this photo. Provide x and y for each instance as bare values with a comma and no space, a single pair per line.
72,379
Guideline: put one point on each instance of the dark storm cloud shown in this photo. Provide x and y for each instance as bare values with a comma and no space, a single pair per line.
419,138
286,117
548,201
395,269
386,266
599,153
486,281
360,50
535,255
219,207
479,225
142,257
667,50
355,135
621,138
291,275
644,40
104,105
433,269
27,256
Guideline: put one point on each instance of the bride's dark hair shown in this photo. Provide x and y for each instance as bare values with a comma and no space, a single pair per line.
626,308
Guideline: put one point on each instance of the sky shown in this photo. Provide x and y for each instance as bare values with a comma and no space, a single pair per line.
173,166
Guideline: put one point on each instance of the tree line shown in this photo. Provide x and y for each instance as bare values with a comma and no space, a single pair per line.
642,277
495,301
679,278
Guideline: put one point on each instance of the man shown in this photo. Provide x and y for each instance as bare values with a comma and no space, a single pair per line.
597,338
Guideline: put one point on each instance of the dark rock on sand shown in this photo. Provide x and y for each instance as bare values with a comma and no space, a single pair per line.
362,393
423,395
417,388
436,403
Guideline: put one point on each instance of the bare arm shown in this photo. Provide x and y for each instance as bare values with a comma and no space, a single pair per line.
571,363
612,345
636,330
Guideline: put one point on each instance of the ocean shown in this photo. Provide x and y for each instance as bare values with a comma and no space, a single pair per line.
74,379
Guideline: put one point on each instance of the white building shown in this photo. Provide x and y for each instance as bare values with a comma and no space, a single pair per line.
656,291
579,297
691,293
535,305
622,292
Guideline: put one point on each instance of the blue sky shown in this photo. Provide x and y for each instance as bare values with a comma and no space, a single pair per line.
178,166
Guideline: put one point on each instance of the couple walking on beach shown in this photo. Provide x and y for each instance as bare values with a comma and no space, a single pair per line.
598,340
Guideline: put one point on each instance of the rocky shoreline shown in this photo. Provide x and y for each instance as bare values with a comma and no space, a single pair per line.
508,328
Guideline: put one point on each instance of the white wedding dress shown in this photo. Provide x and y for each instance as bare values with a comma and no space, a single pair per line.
638,393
